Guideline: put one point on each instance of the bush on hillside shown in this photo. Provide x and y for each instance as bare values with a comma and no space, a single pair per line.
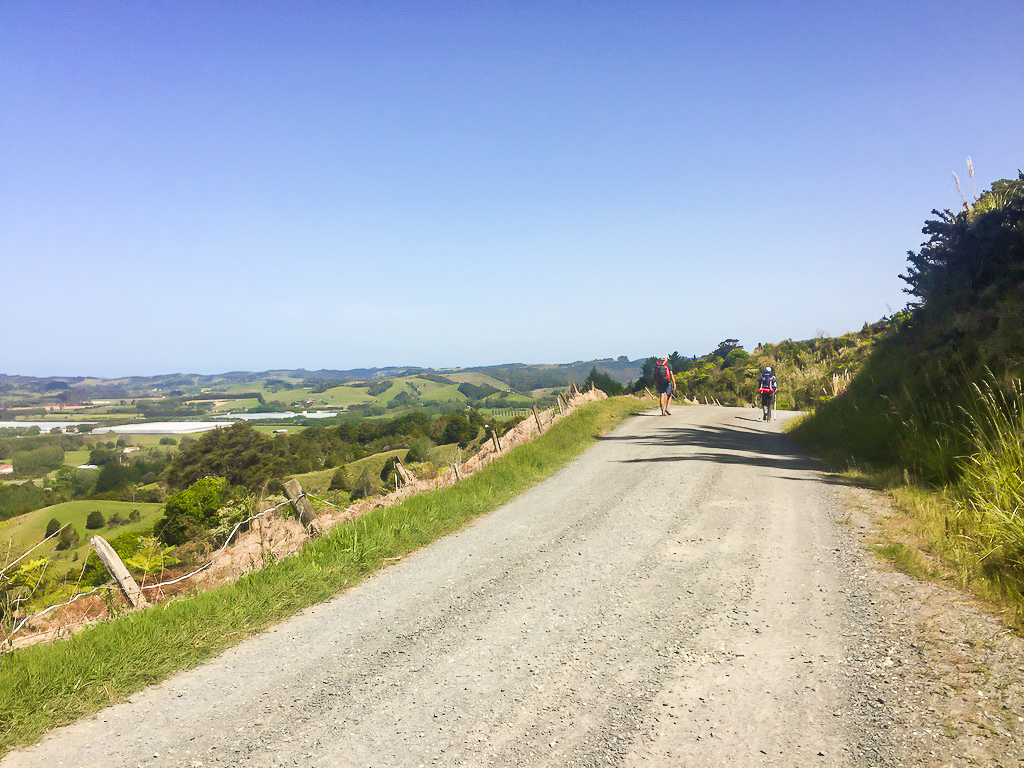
192,513
68,538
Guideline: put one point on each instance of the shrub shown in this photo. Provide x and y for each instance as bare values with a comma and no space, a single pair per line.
419,450
68,538
95,520
339,480
193,512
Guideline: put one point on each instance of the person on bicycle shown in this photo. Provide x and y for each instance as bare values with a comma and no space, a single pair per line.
767,386
663,383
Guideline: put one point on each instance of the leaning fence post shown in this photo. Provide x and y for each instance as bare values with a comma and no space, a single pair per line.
540,428
401,471
558,402
497,444
302,507
116,568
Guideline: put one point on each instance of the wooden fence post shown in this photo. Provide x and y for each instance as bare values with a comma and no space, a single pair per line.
302,507
116,568
540,427
497,444
403,472
558,402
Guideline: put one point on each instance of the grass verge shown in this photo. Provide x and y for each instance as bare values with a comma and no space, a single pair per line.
49,685
969,530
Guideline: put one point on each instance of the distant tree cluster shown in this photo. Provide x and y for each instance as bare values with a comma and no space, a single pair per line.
604,382
248,459
477,391
19,498
379,387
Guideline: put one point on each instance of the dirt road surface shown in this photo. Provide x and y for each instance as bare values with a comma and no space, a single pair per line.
691,592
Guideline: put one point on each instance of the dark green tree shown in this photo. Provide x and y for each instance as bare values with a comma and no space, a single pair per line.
52,527
604,382
725,347
970,251
191,513
366,484
237,453
95,520
339,480
68,538
457,429
646,375
420,449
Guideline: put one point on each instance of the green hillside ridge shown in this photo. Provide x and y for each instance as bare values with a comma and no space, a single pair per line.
938,402
286,386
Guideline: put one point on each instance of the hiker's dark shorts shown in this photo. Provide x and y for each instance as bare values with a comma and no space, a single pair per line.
664,389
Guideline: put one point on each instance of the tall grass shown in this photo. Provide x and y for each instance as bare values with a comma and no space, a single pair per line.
959,457
992,483
48,685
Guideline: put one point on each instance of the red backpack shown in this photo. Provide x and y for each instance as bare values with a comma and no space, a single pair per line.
662,374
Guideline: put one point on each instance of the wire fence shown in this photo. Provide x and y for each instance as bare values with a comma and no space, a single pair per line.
8,640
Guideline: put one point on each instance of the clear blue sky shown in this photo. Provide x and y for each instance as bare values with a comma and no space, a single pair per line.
213,186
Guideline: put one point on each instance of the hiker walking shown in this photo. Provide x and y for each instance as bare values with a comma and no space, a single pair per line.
767,387
663,383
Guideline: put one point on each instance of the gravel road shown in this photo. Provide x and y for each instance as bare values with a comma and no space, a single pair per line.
690,592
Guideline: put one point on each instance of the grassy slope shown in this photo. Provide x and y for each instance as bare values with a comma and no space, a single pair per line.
25,531
476,378
48,685
936,413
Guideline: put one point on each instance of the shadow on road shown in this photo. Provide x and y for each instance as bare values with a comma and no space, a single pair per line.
729,444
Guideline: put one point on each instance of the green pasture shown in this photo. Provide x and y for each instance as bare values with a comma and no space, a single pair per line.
234,406
432,390
476,378
286,396
422,389
269,429
343,396
376,461
317,482
509,400
447,454
25,531
143,441
76,458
